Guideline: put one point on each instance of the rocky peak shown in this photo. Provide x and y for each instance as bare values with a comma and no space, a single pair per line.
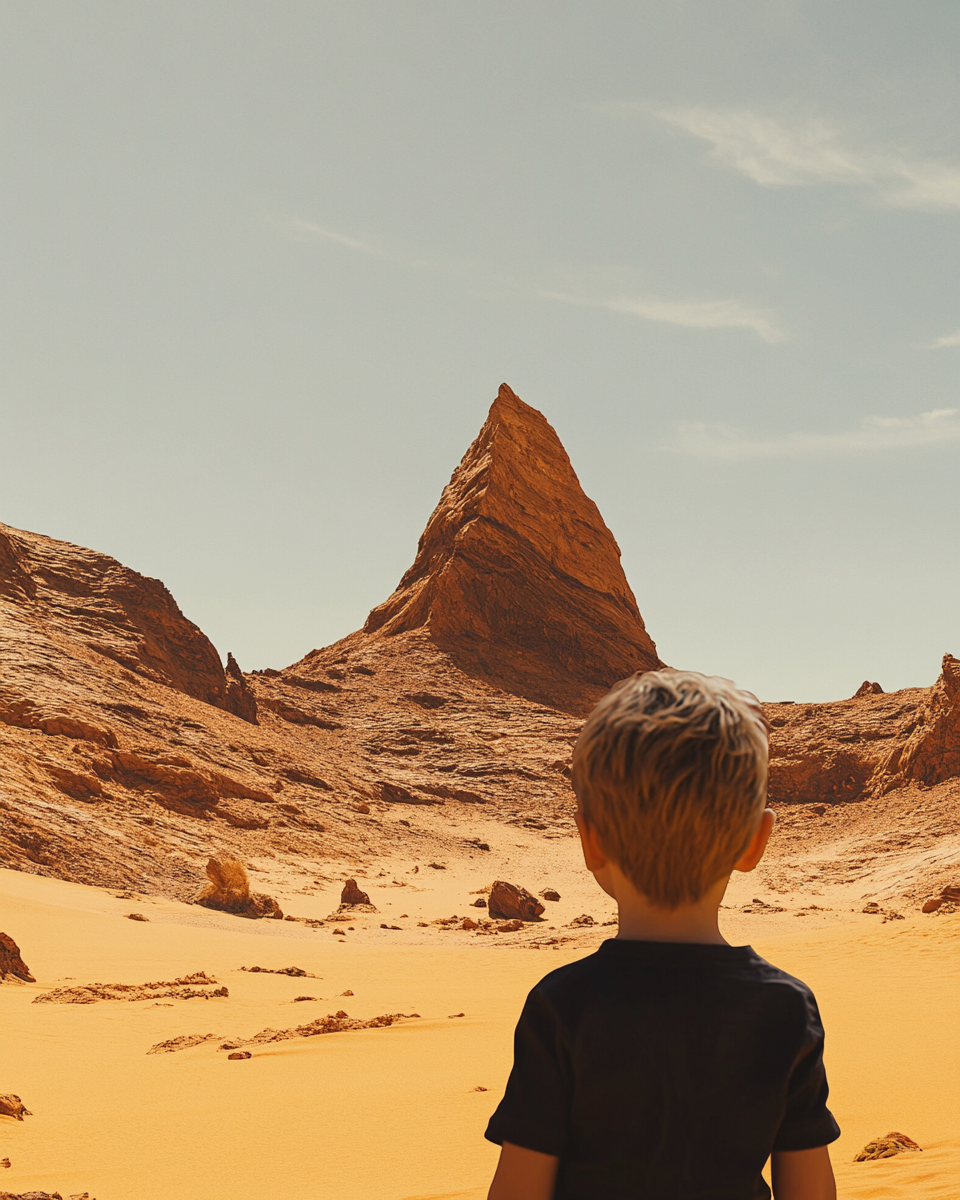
517,577
81,601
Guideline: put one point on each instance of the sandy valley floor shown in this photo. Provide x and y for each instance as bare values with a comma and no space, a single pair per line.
398,1113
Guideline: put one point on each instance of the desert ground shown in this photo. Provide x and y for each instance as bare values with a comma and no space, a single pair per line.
398,1113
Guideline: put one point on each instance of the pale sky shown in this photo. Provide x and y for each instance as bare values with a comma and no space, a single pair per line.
266,264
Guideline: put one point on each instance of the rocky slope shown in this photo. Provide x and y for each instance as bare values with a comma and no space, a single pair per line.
128,755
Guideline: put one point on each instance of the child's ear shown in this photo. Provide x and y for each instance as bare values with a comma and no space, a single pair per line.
758,843
593,854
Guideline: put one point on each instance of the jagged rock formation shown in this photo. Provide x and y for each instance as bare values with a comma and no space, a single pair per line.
868,745
517,577
74,608
12,965
229,891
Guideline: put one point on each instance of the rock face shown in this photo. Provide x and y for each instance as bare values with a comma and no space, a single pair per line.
517,577
229,891
511,903
12,965
92,607
868,745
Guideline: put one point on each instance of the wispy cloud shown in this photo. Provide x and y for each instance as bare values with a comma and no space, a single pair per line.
952,339
778,152
318,232
691,314
934,428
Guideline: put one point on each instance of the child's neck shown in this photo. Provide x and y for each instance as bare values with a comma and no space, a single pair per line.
641,921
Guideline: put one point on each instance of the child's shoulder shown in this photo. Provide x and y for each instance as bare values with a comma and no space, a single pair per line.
634,964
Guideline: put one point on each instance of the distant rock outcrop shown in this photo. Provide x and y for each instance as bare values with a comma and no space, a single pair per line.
867,745
88,602
229,891
517,577
12,965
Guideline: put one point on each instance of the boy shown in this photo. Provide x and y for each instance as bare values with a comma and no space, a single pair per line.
668,1065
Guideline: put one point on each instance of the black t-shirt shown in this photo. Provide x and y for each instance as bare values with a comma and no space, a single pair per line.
666,1071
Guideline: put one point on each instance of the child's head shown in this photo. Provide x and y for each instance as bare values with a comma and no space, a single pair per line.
671,773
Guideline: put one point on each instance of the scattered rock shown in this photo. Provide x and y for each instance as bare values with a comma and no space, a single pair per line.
12,965
294,972
389,926
13,1106
510,927
583,919
469,924
481,1089
550,894
136,917
352,895
337,1022
453,1016
887,1147
184,1042
229,891
297,999
507,901
184,988
238,1055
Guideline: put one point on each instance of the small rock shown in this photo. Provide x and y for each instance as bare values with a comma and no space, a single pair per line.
480,903
453,1016
297,999
481,1089
11,964
871,907
340,1014
362,808
13,1106
887,1147
351,894
469,924
932,904
346,993
229,891
239,1055
550,894
510,927
136,917
509,902
583,919
339,932
4,1162
437,866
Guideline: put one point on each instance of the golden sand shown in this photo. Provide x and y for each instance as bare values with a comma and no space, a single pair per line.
394,1113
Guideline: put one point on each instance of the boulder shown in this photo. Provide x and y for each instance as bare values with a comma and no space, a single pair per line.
511,903
12,965
229,891
868,689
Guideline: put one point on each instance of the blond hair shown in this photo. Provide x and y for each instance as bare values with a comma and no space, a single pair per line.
671,772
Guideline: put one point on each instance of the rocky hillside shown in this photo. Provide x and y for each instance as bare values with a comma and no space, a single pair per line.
128,754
